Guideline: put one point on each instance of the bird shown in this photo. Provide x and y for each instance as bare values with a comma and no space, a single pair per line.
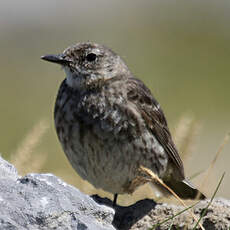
109,123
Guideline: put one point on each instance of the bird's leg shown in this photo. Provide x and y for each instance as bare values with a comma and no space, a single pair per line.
115,199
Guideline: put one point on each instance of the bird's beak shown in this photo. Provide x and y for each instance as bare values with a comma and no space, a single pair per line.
59,59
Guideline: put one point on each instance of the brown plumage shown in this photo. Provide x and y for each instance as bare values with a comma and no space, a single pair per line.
109,123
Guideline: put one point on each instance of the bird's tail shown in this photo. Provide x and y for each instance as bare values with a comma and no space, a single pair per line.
185,189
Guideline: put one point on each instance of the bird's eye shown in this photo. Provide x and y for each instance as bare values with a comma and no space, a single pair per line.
91,57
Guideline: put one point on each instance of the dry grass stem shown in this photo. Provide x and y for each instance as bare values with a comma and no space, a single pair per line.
36,163
22,158
210,168
185,133
147,173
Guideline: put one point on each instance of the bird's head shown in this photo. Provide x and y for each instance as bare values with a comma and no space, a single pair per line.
87,64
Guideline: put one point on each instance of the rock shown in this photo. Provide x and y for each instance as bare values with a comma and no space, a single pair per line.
7,170
146,213
217,216
43,201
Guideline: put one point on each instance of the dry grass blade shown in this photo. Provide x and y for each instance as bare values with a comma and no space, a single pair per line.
22,157
195,175
36,163
185,133
147,173
208,172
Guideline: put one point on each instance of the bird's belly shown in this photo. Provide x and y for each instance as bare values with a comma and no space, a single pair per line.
99,161
108,162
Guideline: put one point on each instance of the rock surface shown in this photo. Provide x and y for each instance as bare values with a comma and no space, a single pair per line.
43,201
146,213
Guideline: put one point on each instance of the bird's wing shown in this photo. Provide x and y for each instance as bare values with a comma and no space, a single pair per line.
149,108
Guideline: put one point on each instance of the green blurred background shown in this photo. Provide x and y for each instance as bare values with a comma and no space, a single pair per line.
180,49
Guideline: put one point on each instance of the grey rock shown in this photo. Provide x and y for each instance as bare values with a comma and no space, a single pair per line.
7,170
43,201
216,218
145,214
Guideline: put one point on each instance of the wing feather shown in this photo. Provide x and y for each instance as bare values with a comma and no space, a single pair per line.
153,115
